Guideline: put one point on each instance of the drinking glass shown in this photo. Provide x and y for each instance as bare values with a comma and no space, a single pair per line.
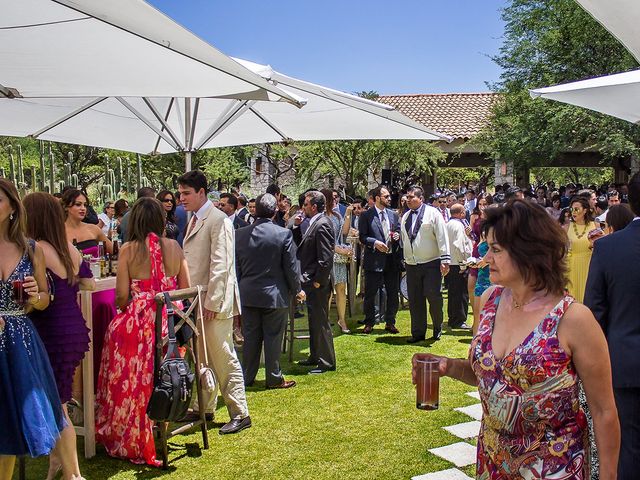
19,295
428,384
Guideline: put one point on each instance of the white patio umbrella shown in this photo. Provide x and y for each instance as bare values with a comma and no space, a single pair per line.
617,95
109,55
211,122
620,17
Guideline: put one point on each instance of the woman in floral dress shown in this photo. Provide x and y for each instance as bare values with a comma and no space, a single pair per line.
532,345
125,381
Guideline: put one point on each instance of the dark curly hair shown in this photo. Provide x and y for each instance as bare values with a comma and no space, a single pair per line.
536,243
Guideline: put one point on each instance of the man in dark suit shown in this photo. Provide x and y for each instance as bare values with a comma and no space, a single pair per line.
229,204
315,253
243,211
268,276
379,233
612,294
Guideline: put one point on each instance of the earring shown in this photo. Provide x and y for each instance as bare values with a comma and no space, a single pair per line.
11,217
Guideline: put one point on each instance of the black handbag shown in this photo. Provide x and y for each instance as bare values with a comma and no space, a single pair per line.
172,387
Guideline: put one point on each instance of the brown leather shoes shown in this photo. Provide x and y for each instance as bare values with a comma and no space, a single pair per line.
367,329
284,384
391,328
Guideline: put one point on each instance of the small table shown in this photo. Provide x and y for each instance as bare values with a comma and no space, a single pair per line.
88,430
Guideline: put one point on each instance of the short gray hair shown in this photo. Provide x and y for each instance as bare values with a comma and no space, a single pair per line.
266,206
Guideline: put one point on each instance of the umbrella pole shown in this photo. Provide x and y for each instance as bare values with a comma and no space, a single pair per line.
187,161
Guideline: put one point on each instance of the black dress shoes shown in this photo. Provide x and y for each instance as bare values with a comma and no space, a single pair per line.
284,384
415,340
308,363
192,416
367,329
235,425
436,335
319,370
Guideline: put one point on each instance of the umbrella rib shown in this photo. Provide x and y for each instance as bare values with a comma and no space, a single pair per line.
194,119
68,116
224,121
166,118
269,124
163,121
147,122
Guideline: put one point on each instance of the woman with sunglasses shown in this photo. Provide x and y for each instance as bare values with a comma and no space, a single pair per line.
106,220
579,246
169,204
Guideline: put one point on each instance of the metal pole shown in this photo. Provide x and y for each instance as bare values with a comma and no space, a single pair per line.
12,166
42,185
187,133
52,172
20,168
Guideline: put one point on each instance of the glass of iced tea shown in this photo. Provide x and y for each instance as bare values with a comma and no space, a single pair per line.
427,384
19,295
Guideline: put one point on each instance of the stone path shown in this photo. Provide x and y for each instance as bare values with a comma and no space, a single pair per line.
461,454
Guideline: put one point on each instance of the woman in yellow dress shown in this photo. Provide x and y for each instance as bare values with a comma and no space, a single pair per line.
579,246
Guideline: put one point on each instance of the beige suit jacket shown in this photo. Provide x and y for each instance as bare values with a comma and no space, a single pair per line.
210,252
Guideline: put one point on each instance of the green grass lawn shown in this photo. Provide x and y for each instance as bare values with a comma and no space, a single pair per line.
359,422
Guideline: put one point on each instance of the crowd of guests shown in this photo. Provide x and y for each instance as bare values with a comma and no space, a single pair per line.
523,259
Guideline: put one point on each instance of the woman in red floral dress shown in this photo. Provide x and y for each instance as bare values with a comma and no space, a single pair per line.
125,381
532,345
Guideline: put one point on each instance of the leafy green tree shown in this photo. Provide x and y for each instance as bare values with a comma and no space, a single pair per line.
224,167
546,43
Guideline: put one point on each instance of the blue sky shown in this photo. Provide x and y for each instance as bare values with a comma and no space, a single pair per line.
392,47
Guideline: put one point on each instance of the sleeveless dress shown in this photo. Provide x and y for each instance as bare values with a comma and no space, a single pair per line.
30,410
103,311
64,331
126,373
483,282
532,424
339,269
578,259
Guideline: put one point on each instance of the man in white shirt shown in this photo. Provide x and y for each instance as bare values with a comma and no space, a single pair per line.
461,247
426,254
613,198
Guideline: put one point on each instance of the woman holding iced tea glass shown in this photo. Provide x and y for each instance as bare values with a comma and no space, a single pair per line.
533,344
31,416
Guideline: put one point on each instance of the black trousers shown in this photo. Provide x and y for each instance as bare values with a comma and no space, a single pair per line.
263,326
458,304
628,405
423,284
373,282
321,337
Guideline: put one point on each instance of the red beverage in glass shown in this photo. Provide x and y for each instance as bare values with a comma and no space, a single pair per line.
428,384
19,295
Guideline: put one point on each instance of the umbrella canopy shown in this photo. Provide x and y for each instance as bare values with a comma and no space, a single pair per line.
119,48
617,95
168,124
620,17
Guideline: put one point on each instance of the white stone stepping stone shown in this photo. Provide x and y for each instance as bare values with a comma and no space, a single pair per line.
475,394
450,474
474,411
464,430
460,454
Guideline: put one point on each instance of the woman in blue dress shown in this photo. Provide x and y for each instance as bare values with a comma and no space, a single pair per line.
30,410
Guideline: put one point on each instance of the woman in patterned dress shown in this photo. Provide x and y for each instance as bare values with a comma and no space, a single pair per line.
532,345
147,265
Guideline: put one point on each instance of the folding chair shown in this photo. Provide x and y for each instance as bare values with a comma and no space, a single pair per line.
183,319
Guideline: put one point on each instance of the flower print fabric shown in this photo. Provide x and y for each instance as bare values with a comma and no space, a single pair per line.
532,424
125,381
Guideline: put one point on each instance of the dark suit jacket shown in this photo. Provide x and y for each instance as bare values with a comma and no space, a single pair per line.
266,265
315,251
239,223
613,295
370,229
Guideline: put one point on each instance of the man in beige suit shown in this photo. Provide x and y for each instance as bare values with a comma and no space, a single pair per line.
210,252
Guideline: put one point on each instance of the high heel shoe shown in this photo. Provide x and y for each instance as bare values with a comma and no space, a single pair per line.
344,328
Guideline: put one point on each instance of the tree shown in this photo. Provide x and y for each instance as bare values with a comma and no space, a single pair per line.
550,42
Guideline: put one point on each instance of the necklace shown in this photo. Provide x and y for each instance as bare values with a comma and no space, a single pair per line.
517,305
584,231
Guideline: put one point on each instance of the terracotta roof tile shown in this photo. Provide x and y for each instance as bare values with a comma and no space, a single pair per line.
459,115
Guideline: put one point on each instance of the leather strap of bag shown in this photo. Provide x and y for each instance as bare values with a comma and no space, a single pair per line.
172,348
